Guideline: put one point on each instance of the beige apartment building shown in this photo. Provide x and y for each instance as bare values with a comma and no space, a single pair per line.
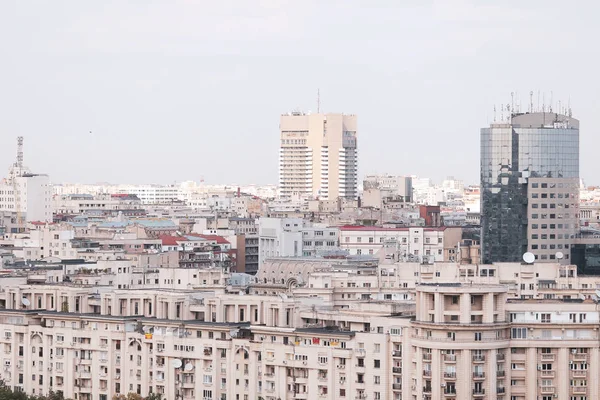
466,332
318,156
417,243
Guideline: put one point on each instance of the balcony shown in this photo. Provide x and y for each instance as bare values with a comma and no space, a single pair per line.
478,358
547,390
500,357
397,353
547,357
397,386
500,374
500,390
450,357
450,375
450,392
547,374
478,375
426,389
397,370
427,372
579,373
478,392
427,356
580,357
579,389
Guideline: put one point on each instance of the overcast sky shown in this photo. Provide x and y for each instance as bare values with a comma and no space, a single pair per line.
177,90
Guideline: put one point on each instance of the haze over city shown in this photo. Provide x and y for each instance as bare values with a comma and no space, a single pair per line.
153,92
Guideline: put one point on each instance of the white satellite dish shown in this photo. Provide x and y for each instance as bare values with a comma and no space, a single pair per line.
176,363
188,367
25,302
559,255
529,258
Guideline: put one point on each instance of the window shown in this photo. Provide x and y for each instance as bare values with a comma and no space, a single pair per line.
377,363
518,333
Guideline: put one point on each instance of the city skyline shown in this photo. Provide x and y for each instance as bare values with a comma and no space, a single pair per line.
160,85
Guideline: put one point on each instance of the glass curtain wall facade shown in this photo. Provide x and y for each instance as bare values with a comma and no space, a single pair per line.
533,145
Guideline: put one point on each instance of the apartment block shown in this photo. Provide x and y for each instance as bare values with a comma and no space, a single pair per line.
318,155
456,341
410,243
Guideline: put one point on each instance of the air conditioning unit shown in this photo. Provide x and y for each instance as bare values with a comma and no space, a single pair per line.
574,351
539,367
284,361
304,362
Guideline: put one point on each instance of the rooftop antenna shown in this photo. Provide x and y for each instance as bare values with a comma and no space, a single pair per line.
501,113
20,152
570,113
318,101
551,100
494,113
538,102
560,110
531,101
544,102
512,102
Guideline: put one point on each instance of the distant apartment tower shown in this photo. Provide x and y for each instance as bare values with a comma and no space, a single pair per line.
318,155
25,195
529,187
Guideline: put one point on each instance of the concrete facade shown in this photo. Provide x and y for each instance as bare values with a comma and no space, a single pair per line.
318,155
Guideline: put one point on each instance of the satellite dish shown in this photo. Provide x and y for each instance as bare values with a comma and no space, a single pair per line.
25,302
559,255
176,363
529,258
188,367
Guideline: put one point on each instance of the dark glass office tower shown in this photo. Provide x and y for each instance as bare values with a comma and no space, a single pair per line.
529,187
